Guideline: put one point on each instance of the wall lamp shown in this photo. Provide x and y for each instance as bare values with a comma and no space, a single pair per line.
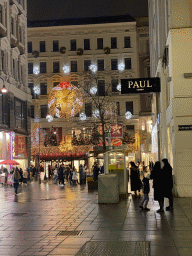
3,89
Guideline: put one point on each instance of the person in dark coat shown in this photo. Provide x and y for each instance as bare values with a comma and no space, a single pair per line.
168,183
95,172
60,175
82,174
135,178
158,185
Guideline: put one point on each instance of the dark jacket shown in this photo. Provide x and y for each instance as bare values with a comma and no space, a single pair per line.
95,172
135,179
168,179
60,173
146,187
158,183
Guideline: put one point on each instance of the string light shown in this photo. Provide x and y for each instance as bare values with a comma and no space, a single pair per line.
96,113
128,115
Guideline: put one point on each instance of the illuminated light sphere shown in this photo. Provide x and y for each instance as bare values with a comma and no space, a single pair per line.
49,118
66,69
119,87
65,100
83,116
36,71
93,90
128,115
93,68
121,66
36,90
96,113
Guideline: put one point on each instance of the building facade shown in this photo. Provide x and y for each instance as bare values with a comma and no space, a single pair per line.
170,31
77,44
15,103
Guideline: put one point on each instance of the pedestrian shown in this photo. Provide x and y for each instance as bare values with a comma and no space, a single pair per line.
95,171
15,177
168,183
74,177
70,176
55,175
67,172
135,178
31,172
25,176
102,169
82,174
146,190
21,174
158,185
60,175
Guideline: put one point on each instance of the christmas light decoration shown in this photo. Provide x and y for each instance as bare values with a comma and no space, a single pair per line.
36,90
93,68
49,118
96,113
128,115
66,146
65,100
119,87
93,90
66,69
36,71
82,116
121,66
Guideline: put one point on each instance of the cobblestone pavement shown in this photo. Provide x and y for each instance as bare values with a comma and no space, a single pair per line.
31,221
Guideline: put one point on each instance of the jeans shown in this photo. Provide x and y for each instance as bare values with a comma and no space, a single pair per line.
16,185
145,200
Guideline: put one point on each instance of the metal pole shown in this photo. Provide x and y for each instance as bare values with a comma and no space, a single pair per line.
39,155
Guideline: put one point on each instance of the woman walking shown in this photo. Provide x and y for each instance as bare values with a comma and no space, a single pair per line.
16,176
158,185
135,179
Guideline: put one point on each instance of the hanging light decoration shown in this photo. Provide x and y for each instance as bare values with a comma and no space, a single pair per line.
93,90
119,87
49,118
65,100
121,66
66,69
93,68
96,113
36,90
128,115
36,71
66,146
82,116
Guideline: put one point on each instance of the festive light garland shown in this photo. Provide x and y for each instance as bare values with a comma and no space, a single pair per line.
96,113
49,118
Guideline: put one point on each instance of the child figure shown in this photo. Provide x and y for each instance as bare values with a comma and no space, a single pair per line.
146,189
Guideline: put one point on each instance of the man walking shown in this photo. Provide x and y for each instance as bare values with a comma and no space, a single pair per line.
168,183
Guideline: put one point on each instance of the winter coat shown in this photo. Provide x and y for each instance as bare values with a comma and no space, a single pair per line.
16,176
168,179
95,172
60,173
82,173
146,187
135,179
158,183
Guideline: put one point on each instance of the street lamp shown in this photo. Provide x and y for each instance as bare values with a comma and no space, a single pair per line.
3,89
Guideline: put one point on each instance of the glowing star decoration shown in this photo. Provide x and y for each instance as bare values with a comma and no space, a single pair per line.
128,115
66,69
36,71
36,90
65,100
93,90
121,66
93,68
49,118
119,87
96,113
82,116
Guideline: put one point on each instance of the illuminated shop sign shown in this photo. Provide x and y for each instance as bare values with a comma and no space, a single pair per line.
140,85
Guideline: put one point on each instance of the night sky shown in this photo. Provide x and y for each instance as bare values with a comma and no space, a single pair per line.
61,9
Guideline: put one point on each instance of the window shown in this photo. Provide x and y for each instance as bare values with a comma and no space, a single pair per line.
43,67
43,110
113,64
86,44
42,46
73,44
87,63
130,127
55,46
88,109
20,114
127,42
73,66
114,84
5,112
32,111
129,106
100,65
147,46
12,26
55,84
127,63
99,43
113,42
43,88
3,60
1,14
30,85
101,87
30,68
118,108
56,68
29,47
20,34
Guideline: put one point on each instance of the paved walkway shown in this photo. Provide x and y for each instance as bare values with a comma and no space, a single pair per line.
31,221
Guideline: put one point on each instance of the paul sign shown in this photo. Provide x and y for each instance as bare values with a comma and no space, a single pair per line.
140,85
